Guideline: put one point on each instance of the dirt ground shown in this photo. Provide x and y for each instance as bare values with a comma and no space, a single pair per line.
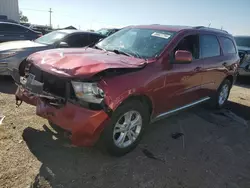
214,151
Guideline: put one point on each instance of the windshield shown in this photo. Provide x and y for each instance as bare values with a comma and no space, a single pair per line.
242,41
143,43
104,32
51,38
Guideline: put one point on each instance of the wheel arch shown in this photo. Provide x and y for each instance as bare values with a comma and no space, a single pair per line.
230,78
144,99
21,66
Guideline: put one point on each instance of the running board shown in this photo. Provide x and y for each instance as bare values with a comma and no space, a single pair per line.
166,114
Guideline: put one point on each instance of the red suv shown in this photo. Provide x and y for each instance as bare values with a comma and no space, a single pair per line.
140,74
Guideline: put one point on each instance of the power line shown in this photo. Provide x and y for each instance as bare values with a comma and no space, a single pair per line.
34,9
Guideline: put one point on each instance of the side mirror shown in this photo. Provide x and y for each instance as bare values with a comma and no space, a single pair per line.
63,45
183,56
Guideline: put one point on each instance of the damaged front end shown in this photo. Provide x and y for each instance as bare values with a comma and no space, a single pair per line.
59,100
56,91
76,105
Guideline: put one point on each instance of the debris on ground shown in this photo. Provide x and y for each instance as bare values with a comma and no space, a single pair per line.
176,135
1,118
150,155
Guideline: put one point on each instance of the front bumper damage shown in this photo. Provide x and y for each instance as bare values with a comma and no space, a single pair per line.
85,124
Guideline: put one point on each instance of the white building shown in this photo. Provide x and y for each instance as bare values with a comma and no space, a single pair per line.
10,9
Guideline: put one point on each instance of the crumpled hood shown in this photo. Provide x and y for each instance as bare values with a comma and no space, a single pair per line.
81,62
15,45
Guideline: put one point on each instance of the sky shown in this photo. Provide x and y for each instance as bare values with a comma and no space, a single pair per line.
232,15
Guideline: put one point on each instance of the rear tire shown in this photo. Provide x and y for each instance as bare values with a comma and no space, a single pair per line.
126,128
221,96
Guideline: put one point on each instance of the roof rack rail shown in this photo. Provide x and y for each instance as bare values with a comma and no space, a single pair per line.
198,27
209,28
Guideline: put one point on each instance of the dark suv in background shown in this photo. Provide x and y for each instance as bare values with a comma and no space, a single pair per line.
243,43
11,31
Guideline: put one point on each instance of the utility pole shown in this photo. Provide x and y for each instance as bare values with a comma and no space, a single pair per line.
50,12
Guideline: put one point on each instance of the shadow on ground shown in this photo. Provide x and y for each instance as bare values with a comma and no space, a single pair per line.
7,85
239,109
205,155
243,82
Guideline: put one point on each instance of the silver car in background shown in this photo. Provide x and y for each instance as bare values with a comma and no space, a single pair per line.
13,54
243,44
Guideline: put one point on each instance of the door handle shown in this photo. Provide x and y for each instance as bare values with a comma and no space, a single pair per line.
197,69
1,35
21,35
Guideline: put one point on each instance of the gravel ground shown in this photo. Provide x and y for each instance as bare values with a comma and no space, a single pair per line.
214,151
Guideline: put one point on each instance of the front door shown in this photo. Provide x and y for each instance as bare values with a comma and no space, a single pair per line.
183,81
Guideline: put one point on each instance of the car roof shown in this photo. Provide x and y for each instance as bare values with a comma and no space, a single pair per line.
174,28
10,23
177,28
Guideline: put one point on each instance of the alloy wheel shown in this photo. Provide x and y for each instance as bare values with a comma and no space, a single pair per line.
127,129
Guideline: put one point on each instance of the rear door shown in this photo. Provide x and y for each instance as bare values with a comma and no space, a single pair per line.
213,71
230,52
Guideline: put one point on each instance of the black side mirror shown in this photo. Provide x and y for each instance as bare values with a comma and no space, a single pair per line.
63,45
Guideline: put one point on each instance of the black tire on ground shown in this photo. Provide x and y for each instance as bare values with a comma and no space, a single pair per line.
106,138
214,101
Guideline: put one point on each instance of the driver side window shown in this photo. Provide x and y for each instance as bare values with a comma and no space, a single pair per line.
189,43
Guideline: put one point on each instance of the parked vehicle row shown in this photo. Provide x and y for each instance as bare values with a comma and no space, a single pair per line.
111,91
243,43
13,54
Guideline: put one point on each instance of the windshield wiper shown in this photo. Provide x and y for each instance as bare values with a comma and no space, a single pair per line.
99,48
121,52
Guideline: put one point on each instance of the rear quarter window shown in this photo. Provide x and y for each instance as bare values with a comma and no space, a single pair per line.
227,45
209,46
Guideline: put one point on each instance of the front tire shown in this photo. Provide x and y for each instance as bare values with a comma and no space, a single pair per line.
126,128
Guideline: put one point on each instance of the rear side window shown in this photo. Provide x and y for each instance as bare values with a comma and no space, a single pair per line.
12,28
77,40
209,46
227,45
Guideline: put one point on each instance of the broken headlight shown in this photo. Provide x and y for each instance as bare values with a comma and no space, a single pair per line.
88,92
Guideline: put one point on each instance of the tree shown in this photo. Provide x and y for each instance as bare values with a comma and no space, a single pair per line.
23,19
